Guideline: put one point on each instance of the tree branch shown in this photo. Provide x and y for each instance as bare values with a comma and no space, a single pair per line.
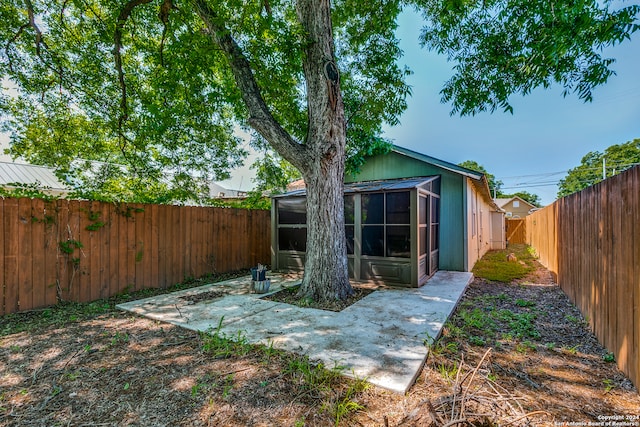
32,23
125,13
260,118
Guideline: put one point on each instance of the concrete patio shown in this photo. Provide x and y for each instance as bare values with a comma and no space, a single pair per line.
380,338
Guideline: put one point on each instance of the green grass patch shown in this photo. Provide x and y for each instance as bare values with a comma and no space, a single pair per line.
495,267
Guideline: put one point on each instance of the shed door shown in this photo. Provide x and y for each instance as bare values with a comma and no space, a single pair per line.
428,235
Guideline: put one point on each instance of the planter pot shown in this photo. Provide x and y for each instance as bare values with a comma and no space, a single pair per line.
261,286
258,275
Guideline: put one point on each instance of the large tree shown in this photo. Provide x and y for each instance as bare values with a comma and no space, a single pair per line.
596,166
163,83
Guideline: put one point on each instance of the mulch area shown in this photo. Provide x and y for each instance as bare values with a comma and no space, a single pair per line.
123,370
290,296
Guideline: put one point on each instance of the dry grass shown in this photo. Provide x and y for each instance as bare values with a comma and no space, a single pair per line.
111,368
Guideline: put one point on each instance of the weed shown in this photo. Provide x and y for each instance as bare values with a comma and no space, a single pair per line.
15,349
507,336
448,372
523,327
476,319
525,346
452,330
119,338
70,245
195,389
314,377
609,357
550,345
442,347
95,226
476,340
269,351
227,386
222,347
573,319
572,350
344,405
524,303
300,422
71,376
126,386
608,385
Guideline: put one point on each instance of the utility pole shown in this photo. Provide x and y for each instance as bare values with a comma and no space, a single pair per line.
604,169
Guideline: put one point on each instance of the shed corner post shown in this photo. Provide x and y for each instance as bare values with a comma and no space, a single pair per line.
274,236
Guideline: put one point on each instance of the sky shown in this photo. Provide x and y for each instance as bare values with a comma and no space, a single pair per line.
530,150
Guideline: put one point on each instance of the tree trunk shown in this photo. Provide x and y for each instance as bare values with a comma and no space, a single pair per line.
321,158
326,275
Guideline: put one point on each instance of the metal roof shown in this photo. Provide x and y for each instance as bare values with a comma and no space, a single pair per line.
372,186
11,173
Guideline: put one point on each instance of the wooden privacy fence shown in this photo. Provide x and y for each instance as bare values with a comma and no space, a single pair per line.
516,230
591,240
82,250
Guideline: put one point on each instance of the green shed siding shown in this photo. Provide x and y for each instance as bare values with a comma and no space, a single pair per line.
395,165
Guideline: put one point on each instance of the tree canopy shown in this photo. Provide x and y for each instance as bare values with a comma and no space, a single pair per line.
157,90
495,185
596,166
137,90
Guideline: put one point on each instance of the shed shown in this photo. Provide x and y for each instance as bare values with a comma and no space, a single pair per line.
406,216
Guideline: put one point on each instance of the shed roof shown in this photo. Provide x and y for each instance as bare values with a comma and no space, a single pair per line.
20,173
478,179
372,186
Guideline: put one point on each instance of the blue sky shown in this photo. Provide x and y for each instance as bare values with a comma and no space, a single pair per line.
546,134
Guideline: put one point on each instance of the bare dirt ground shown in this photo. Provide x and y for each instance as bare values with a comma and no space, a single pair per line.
545,368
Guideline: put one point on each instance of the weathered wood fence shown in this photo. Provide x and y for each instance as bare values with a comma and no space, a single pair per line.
516,230
591,241
82,251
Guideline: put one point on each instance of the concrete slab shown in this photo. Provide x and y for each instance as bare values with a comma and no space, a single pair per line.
380,338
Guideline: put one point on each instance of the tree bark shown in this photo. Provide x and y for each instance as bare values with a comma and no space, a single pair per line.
321,158
326,275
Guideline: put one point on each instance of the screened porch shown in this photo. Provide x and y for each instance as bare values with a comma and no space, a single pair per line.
392,230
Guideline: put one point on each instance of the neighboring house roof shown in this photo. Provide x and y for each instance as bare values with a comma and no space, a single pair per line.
298,184
21,173
501,202
218,191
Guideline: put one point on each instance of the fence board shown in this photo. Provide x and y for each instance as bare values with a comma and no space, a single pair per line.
51,252
516,231
153,248
3,287
138,258
592,240
84,267
12,237
48,253
634,371
37,252
25,273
